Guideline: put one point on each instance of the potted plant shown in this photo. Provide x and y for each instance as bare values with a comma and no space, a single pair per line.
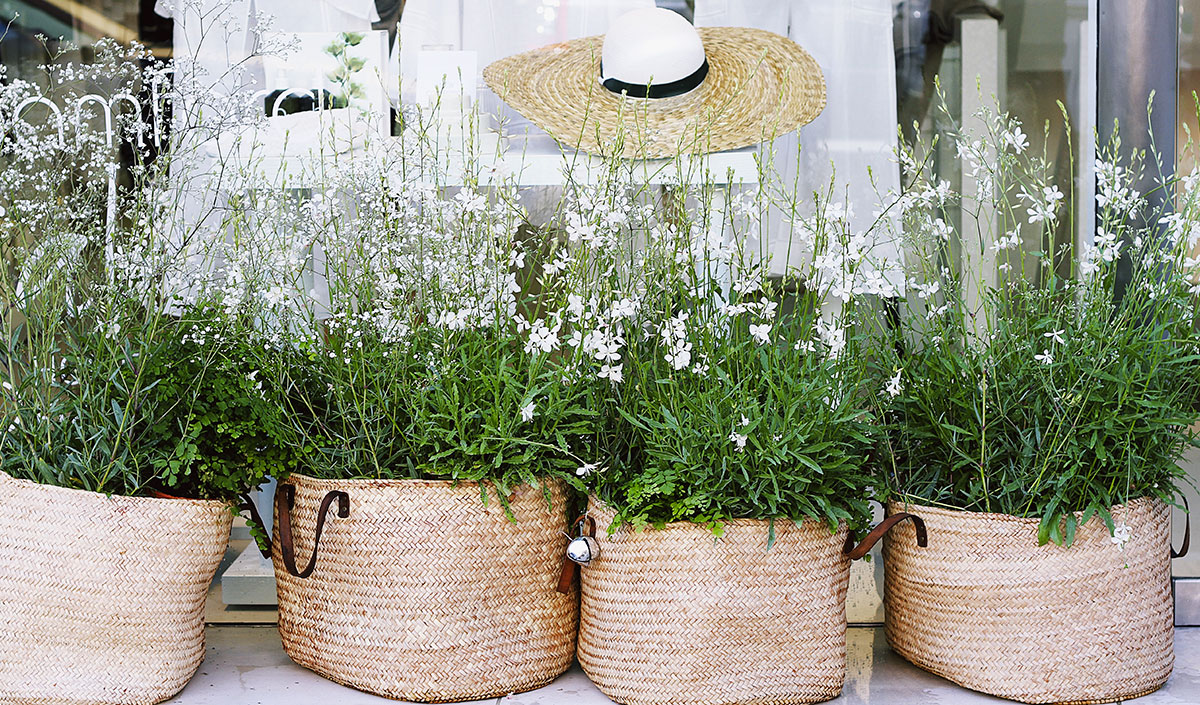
1036,426
418,541
733,472
127,422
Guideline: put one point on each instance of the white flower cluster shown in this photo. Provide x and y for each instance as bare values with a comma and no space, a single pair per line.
674,336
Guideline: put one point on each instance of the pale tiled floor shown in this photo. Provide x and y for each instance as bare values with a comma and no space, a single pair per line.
245,665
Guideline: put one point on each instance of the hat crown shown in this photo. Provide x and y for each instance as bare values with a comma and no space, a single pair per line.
651,46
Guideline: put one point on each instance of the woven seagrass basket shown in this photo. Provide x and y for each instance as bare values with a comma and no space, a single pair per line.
416,590
102,597
673,616
989,609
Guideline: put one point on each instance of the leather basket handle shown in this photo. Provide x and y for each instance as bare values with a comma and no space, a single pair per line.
1187,531
285,499
855,552
570,567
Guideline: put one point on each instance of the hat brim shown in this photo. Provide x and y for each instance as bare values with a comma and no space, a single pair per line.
759,85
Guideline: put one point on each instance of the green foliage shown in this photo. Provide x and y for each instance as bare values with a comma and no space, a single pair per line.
996,430
133,401
218,423
465,414
440,405
767,431
72,395
1068,388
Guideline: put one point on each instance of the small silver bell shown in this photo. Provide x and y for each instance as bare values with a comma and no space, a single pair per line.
583,550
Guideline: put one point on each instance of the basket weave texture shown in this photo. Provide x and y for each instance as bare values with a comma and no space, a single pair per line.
989,609
761,85
425,594
671,616
102,598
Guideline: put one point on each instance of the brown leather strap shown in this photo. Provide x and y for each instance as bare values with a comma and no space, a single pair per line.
855,552
1187,531
285,498
247,505
570,567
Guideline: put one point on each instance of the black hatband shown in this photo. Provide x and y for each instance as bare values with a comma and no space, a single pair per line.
661,90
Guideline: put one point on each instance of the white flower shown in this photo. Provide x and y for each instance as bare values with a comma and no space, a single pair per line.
1056,335
2,212
924,291
745,421
894,386
541,338
761,332
579,229
527,412
275,297
739,440
679,356
457,320
1108,244
942,192
733,310
560,263
1045,357
1121,536
575,305
1016,139
942,229
1044,208
608,349
471,202
833,337
625,308
587,469
750,281
612,373
1009,241
674,333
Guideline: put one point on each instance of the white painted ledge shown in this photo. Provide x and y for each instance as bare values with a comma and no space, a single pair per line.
246,664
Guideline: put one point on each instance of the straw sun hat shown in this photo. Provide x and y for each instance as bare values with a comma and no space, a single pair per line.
655,86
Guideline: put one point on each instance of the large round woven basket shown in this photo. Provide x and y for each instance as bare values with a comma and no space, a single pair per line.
102,598
986,607
675,616
421,592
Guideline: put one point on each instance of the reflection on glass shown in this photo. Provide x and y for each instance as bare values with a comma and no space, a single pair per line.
1041,70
